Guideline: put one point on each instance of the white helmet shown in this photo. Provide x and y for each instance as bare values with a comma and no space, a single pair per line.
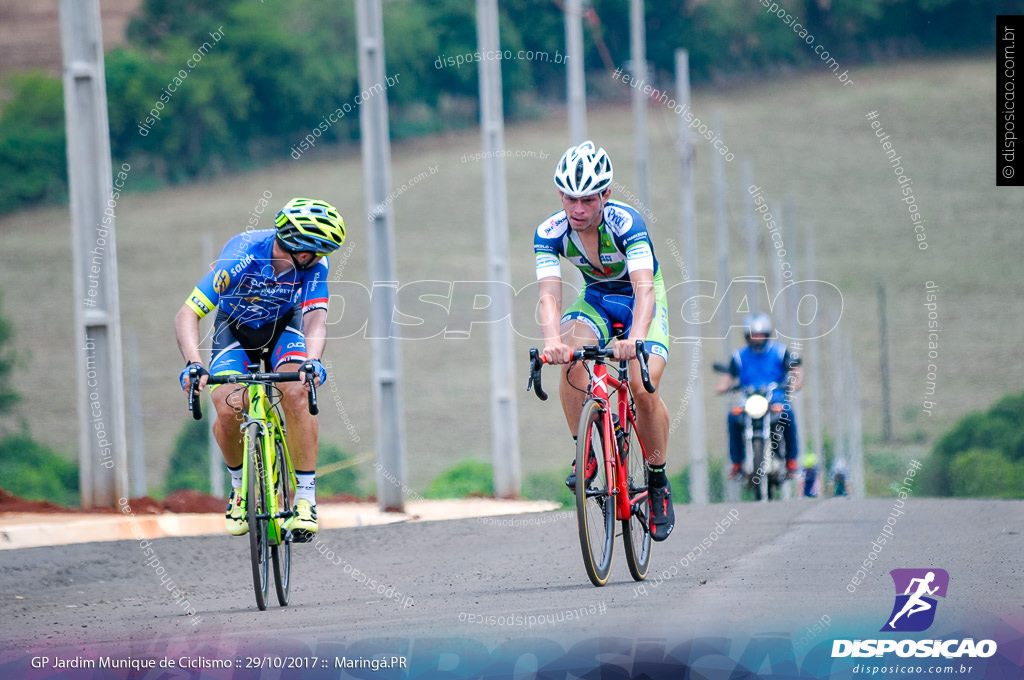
583,171
758,324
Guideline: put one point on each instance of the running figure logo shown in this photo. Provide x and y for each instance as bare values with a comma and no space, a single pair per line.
914,610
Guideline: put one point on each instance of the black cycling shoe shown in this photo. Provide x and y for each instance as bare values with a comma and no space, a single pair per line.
570,481
663,515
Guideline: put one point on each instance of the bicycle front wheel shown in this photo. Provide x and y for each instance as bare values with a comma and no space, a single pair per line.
255,507
281,554
759,479
636,535
595,506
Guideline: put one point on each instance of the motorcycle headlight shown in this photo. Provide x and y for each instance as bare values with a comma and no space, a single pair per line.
756,406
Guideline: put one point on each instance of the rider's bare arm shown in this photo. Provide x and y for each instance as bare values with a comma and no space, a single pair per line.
186,331
555,350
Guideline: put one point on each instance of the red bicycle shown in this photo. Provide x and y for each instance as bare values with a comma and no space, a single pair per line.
611,484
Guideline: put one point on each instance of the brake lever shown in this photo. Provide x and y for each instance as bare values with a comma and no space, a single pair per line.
314,409
642,356
194,402
536,364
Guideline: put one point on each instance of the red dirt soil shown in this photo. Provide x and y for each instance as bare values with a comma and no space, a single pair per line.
179,501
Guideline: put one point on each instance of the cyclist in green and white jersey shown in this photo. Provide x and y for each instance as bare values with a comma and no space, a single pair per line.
608,242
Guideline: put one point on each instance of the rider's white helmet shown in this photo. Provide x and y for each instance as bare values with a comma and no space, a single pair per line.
583,171
758,324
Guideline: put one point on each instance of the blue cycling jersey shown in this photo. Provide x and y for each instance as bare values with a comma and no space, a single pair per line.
625,247
243,284
757,369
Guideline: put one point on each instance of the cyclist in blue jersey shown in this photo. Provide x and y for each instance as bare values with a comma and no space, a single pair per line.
762,362
609,243
269,290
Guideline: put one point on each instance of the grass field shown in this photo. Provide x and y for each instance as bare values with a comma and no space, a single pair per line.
810,144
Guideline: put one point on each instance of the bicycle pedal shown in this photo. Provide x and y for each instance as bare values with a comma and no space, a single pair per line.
301,536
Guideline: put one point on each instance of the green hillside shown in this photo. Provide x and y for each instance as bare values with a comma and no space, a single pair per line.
810,143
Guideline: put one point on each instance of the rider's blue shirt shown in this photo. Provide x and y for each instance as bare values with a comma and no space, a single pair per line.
761,368
243,284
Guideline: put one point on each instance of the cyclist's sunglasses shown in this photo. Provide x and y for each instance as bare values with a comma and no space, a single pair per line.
296,251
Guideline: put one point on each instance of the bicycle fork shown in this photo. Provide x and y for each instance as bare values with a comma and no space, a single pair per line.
267,468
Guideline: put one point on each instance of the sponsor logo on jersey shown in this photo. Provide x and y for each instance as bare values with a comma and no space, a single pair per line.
545,260
200,304
553,228
634,237
619,220
221,280
638,251
245,262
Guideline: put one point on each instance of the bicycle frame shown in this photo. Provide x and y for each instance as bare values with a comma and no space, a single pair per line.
262,411
271,429
602,385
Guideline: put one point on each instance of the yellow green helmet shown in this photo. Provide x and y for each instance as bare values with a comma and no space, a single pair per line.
306,224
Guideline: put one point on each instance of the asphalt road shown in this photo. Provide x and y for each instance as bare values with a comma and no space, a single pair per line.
452,595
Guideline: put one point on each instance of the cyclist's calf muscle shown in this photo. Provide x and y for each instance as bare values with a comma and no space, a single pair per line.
230,407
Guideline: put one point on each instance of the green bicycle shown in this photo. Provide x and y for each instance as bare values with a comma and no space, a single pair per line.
267,472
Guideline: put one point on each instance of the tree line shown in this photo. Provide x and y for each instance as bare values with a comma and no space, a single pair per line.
201,88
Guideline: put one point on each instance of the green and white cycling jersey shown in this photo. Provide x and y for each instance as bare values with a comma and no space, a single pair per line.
625,247
607,296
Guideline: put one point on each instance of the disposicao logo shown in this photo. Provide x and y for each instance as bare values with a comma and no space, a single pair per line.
912,612
914,609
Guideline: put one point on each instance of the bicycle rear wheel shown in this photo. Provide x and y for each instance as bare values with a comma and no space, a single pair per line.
256,505
281,554
636,535
595,506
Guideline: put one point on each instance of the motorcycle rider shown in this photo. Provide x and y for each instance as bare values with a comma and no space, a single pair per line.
761,362
839,476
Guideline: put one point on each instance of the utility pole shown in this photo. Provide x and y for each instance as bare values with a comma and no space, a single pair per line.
504,422
638,55
376,152
813,358
883,361
102,442
750,230
722,241
698,435
575,77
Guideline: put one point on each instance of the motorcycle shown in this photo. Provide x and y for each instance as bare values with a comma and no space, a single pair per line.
764,467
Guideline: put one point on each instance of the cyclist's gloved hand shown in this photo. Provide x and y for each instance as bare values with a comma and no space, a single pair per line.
318,368
186,373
